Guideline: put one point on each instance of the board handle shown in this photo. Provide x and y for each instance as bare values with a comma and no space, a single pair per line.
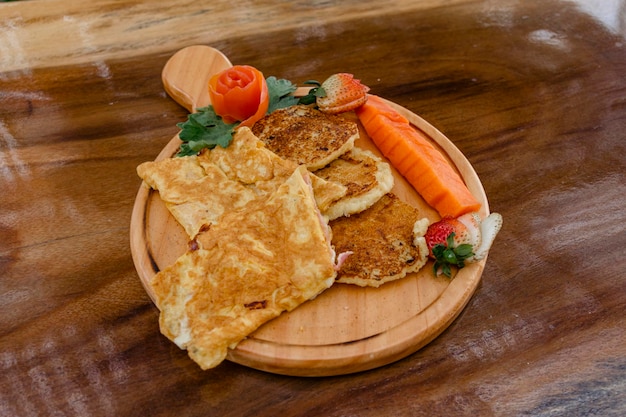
186,75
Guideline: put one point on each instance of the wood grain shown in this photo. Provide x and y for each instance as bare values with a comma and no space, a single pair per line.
532,93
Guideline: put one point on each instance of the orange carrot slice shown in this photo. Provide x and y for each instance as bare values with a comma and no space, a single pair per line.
423,165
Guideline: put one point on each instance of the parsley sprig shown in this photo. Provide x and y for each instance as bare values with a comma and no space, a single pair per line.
205,129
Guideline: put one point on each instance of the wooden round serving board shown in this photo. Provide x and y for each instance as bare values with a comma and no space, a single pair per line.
347,328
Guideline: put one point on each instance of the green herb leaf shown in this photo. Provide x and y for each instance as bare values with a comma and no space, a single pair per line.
204,129
281,93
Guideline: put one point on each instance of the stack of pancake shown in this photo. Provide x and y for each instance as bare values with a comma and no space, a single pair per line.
383,233
284,212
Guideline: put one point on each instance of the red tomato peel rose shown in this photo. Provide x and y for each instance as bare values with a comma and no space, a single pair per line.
239,94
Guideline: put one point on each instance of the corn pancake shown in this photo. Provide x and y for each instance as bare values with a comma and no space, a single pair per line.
366,177
254,264
386,241
198,190
306,135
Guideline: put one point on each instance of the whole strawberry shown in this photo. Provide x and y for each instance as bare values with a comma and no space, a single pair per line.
455,241
341,93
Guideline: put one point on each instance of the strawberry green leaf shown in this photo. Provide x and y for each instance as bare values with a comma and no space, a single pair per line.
448,254
320,92
309,98
464,251
450,257
312,96
313,93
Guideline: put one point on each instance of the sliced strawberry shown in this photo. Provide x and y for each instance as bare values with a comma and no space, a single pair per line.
489,228
471,229
448,244
454,241
438,233
341,93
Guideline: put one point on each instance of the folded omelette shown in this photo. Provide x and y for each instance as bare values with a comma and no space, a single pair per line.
248,268
260,245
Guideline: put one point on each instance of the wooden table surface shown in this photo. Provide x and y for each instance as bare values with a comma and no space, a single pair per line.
532,92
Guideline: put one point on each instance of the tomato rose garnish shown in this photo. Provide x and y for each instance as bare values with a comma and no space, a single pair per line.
239,94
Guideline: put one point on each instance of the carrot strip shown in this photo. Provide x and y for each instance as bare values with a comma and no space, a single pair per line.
426,169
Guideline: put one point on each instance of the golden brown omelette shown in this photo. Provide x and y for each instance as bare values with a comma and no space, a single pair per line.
254,264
